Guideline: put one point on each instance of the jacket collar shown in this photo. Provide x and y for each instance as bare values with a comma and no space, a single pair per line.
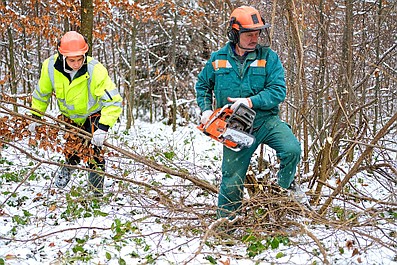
58,65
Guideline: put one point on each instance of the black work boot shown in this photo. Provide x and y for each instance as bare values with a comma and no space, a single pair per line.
96,183
62,176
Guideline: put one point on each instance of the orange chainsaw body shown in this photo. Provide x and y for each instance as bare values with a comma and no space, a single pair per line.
218,124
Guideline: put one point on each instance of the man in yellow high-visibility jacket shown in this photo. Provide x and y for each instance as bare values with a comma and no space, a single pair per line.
85,94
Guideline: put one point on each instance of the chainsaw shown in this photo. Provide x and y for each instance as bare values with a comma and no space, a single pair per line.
232,128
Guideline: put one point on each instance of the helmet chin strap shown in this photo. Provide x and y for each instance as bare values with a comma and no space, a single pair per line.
241,47
71,71
245,49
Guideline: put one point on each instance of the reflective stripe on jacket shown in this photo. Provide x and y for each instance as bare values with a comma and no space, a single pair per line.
260,77
91,92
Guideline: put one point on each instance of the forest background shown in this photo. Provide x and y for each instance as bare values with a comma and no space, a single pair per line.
340,61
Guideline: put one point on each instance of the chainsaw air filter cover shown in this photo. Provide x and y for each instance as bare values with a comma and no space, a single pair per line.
242,119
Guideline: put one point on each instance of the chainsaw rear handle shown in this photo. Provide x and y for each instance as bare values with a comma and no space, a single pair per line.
241,114
217,113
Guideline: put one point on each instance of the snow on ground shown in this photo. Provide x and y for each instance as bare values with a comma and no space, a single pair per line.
130,225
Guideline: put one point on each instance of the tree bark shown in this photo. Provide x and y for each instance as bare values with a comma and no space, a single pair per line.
132,77
87,21
322,51
300,80
11,64
173,71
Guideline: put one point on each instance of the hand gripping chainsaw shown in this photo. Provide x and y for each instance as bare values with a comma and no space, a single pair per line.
231,128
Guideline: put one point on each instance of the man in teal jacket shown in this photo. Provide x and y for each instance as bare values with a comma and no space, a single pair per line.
86,96
243,72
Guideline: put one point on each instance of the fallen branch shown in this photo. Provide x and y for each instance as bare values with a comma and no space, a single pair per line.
315,239
182,173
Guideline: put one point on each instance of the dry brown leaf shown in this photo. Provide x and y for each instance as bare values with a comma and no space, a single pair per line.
359,260
226,262
349,244
355,252
338,181
52,207
32,142
10,256
94,234
35,199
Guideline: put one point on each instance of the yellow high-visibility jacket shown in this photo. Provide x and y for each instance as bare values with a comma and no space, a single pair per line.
90,91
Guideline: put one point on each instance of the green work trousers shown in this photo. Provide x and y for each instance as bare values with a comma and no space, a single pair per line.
277,135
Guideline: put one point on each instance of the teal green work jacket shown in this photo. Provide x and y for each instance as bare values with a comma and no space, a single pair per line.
91,91
260,77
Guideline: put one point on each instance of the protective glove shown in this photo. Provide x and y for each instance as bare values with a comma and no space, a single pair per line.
32,126
99,137
237,101
205,116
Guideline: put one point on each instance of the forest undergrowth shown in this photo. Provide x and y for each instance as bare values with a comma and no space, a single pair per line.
160,203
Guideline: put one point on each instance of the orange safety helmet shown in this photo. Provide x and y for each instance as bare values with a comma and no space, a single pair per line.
246,18
243,19
73,44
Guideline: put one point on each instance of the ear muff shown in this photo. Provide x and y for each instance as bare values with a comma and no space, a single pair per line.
232,33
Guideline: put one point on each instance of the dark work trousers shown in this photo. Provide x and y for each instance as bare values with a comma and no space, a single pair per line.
98,162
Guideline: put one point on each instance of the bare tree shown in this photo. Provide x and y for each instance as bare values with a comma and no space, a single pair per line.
87,20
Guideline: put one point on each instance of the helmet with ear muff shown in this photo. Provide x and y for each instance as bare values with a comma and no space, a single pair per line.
73,44
244,19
